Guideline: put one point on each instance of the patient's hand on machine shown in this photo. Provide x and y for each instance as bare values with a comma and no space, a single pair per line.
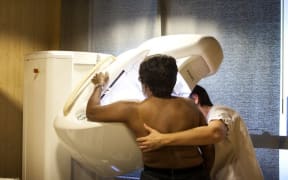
100,79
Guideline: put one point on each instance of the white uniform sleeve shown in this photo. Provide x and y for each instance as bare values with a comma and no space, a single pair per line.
221,113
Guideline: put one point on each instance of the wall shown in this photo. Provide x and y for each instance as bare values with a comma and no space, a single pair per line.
108,27
74,25
26,26
116,26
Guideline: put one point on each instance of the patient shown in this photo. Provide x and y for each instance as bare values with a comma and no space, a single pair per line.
161,111
235,157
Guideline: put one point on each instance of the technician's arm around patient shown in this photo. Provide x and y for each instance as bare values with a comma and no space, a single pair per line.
215,132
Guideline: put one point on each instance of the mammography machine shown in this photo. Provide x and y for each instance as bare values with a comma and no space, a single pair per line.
109,149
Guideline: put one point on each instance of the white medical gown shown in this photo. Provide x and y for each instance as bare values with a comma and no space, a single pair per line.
235,157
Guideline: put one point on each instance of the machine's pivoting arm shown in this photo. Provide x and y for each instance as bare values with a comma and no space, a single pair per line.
202,54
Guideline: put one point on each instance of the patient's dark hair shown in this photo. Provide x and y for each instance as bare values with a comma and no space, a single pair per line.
159,73
203,96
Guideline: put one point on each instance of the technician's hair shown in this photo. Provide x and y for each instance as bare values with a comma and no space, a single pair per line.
202,94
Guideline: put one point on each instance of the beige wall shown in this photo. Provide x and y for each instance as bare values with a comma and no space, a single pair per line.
25,26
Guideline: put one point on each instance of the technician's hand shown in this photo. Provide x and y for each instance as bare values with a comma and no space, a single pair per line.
100,78
150,142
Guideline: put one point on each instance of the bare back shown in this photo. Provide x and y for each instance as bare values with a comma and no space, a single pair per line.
169,115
